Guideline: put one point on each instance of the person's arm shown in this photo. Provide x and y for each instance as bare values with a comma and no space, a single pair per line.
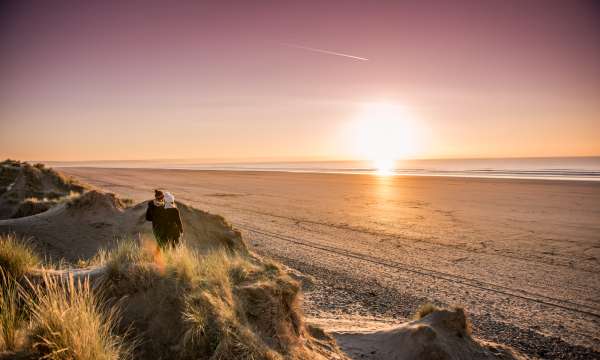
179,224
150,211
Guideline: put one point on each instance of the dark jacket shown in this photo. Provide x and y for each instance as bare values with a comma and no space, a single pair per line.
171,223
152,213
166,223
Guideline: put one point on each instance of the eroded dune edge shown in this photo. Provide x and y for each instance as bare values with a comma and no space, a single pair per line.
103,290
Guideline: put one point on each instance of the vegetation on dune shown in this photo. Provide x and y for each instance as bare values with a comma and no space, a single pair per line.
429,308
70,321
16,256
12,313
229,306
27,189
33,205
58,319
425,310
176,303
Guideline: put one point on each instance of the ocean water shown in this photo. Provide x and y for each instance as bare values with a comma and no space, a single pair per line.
558,168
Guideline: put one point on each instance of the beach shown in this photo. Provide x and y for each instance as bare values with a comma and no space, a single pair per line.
521,256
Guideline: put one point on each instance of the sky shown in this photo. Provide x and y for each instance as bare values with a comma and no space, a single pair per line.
243,80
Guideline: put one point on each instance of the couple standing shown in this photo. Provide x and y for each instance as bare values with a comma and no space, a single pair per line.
166,222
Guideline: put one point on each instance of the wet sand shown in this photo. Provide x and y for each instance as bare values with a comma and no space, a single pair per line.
522,256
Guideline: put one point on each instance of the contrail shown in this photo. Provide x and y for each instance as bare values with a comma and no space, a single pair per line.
324,51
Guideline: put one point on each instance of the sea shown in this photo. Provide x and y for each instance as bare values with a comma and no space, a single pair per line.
550,168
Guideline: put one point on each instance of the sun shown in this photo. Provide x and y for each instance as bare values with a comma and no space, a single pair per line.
384,166
383,133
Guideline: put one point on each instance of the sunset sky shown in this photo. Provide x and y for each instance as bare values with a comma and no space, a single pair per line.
299,79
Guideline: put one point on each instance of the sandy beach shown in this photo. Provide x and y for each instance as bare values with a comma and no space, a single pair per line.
522,256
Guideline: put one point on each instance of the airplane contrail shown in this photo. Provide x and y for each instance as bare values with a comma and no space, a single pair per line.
324,51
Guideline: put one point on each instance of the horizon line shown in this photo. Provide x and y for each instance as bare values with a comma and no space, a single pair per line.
298,160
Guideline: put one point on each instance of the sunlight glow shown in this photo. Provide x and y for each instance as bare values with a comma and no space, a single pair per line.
384,166
382,133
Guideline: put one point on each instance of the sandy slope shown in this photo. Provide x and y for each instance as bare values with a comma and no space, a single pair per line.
522,256
80,228
255,314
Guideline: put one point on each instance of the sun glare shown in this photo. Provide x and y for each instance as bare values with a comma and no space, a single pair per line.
383,133
384,166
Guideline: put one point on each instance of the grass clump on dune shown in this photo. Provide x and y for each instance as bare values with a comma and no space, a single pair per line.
173,303
126,254
70,321
58,318
429,308
12,314
16,256
215,305
425,310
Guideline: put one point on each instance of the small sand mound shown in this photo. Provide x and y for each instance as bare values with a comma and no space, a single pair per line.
272,308
94,201
201,224
21,182
439,335
31,207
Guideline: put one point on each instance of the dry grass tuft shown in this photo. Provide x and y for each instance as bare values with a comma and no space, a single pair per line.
16,256
460,320
425,310
70,321
180,303
204,305
127,252
12,314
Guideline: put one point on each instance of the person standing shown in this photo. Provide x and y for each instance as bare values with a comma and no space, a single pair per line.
172,228
154,213
166,221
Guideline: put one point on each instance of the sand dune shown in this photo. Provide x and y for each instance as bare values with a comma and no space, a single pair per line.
441,334
27,189
96,220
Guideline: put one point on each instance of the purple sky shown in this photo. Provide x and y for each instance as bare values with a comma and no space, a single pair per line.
141,79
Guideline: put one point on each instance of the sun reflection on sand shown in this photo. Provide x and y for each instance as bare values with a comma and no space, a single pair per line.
384,189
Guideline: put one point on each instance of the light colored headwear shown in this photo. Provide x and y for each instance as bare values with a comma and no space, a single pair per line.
169,200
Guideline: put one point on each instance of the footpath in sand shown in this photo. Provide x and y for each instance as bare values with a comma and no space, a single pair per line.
521,255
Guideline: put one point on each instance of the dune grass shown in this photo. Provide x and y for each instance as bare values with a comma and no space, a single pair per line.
429,308
424,310
183,304
71,321
60,319
12,314
212,313
210,294
16,256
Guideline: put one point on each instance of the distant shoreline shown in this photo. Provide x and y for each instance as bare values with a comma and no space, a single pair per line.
564,168
582,176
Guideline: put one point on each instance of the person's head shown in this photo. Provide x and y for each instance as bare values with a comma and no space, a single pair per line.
169,200
159,198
